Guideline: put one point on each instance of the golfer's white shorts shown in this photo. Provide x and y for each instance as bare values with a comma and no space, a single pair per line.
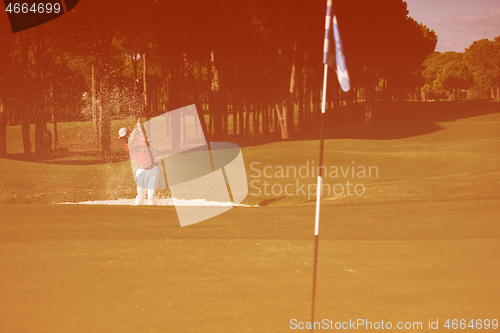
147,178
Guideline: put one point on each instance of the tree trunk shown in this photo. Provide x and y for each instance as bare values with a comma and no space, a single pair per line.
368,106
55,135
145,94
301,82
106,102
134,66
105,121
369,96
10,111
41,145
276,123
247,118
316,98
254,120
288,105
307,101
215,105
225,115
256,112
156,105
210,128
165,96
25,102
25,129
174,87
3,129
241,116
39,105
100,116
307,93
94,108
282,118
265,121
106,124
235,114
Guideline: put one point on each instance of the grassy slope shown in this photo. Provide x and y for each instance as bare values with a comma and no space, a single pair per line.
421,244
418,161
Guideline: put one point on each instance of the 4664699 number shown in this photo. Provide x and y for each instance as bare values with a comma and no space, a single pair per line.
477,324
39,8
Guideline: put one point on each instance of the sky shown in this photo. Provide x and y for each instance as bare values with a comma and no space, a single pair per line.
458,23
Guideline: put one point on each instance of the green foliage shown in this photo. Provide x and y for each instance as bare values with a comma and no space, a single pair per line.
435,64
483,57
456,75
477,70
255,42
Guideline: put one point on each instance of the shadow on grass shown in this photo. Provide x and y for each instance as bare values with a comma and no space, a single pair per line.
67,157
447,111
267,202
386,130
390,121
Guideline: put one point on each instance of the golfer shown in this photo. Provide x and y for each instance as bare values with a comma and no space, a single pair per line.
148,172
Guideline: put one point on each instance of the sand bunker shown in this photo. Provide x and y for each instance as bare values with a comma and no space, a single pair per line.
160,202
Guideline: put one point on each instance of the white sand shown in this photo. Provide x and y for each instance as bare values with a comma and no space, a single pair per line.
160,202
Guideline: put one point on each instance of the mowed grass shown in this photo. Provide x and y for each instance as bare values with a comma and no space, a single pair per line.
127,269
420,160
421,243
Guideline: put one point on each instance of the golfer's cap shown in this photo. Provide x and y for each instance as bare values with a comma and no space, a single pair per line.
122,132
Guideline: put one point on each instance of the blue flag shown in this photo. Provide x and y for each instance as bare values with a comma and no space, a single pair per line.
337,62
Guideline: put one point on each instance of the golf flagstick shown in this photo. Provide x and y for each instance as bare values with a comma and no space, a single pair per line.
340,65
318,195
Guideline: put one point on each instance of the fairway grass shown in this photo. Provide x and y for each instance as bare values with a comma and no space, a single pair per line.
421,243
133,269
447,163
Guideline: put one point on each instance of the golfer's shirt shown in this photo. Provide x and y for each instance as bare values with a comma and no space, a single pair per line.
139,152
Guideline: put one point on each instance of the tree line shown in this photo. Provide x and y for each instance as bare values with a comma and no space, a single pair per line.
254,63
472,74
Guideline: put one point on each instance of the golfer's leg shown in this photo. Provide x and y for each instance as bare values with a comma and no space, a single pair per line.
153,184
141,186
151,196
141,194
